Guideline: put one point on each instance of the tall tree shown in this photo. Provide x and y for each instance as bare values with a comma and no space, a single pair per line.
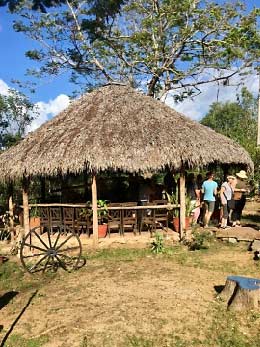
169,44
16,112
237,120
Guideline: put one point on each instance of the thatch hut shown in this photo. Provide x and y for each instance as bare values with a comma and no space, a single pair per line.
117,128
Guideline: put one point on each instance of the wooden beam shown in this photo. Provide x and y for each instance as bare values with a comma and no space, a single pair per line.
11,211
258,132
182,203
94,210
26,217
153,207
10,205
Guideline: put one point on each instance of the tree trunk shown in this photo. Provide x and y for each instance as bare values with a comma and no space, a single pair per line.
151,86
241,293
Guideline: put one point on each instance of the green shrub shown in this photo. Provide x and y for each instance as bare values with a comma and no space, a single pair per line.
157,246
199,240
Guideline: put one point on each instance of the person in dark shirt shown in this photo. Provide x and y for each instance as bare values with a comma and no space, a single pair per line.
240,197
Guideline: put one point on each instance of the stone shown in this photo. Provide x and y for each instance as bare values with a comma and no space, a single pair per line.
255,246
232,240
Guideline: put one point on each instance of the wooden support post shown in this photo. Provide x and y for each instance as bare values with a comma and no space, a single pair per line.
26,217
182,203
11,206
11,212
94,210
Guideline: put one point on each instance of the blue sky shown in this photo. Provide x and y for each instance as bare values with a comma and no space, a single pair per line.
51,94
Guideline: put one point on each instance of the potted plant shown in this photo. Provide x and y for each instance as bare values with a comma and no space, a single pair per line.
175,212
102,218
102,215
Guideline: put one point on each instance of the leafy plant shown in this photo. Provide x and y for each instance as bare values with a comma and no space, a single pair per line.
34,211
6,218
102,204
102,213
173,199
188,206
199,239
157,246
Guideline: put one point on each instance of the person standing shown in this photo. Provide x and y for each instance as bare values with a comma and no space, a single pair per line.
193,192
239,197
209,191
226,197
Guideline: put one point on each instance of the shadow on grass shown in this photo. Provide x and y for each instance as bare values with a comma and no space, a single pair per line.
82,262
17,319
4,299
252,220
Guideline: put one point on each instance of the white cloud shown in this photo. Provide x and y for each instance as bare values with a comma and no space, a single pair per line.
3,87
197,107
46,110
49,109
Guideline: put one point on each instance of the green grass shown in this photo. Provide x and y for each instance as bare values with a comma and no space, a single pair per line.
13,276
10,272
181,255
118,254
221,328
16,340
224,329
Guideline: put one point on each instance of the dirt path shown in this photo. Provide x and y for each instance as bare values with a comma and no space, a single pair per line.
111,301
107,301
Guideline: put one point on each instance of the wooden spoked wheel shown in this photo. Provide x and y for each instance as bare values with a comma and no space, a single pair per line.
50,250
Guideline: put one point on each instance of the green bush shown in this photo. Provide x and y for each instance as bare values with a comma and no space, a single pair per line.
157,246
199,240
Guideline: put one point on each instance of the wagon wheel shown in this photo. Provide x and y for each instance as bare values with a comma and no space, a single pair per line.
48,252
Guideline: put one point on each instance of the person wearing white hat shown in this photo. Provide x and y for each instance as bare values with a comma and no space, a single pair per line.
239,197
226,198
241,174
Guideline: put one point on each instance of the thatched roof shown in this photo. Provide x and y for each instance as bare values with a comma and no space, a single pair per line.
116,127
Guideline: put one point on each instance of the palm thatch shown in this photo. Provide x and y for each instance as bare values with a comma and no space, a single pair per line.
116,127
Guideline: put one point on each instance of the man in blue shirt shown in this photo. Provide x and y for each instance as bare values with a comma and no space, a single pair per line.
209,191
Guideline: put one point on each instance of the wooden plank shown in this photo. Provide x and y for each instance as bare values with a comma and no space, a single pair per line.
150,207
57,205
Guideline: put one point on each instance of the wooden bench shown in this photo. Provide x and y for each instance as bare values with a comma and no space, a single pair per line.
241,293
